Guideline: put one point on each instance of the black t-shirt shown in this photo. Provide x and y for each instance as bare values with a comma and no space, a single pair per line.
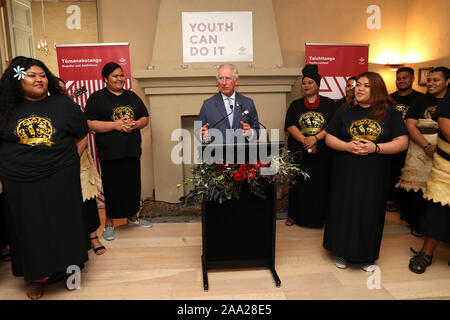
309,122
104,105
340,102
424,107
444,112
39,139
354,123
404,102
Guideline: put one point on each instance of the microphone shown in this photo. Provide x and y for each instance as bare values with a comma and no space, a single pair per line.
217,122
247,114
231,107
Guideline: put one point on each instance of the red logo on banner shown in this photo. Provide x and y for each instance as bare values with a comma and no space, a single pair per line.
81,66
336,64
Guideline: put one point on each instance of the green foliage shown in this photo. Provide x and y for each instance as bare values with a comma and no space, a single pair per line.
221,182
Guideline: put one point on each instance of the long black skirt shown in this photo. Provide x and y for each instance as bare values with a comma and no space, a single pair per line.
436,222
357,207
3,235
91,217
412,208
398,162
308,199
46,224
122,187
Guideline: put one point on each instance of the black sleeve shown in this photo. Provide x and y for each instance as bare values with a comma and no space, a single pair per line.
291,115
397,125
90,110
444,109
335,125
77,125
141,109
332,107
414,109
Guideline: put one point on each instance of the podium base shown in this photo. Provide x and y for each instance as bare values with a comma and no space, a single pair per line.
240,233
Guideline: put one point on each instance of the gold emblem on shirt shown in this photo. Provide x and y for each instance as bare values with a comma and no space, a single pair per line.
429,112
311,123
365,129
403,110
122,111
34,131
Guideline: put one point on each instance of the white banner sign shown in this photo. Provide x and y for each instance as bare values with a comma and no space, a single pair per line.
217,36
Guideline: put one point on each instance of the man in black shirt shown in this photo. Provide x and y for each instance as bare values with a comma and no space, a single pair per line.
405,94
403,97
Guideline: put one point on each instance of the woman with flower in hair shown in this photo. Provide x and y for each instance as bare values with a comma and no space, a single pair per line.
306,121
363,137
42,134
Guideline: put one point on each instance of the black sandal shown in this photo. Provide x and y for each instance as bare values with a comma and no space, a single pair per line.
5,257
98,248
420,262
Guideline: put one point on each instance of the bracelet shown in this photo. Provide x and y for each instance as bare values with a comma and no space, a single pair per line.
426,146
377,147
317,139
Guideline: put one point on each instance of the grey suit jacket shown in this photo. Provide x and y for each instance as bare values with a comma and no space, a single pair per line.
213,110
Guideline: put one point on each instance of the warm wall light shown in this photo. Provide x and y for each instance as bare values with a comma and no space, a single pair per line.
394,67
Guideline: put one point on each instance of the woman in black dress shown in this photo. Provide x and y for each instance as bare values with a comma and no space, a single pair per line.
306,120
363,136
42,134
117,115
91,186
4,250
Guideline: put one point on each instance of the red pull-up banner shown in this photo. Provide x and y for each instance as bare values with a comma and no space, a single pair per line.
337,63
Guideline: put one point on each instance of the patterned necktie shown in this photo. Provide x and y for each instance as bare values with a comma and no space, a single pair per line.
230,117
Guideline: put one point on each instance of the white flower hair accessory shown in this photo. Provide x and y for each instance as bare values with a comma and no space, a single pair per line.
20,73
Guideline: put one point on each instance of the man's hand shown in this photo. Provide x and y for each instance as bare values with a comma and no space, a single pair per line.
204,132
246,128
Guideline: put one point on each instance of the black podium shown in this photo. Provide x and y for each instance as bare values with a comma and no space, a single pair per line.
240,233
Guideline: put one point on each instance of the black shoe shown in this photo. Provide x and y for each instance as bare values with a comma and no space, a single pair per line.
393,207
417,234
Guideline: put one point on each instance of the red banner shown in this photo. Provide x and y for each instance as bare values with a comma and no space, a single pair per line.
336,64
81,66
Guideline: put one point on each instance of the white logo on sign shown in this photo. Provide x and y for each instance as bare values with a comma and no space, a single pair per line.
122,60
362,60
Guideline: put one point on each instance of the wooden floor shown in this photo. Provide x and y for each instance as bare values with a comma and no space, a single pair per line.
163,262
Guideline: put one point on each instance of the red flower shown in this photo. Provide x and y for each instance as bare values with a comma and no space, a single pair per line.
242,168
238,176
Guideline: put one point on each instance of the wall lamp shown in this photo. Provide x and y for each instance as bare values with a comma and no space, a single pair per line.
394,67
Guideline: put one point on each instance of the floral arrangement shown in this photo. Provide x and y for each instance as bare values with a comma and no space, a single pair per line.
221,182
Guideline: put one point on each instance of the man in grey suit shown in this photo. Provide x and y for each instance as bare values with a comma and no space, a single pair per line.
230,113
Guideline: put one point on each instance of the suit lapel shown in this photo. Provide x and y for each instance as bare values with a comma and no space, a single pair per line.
237,112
